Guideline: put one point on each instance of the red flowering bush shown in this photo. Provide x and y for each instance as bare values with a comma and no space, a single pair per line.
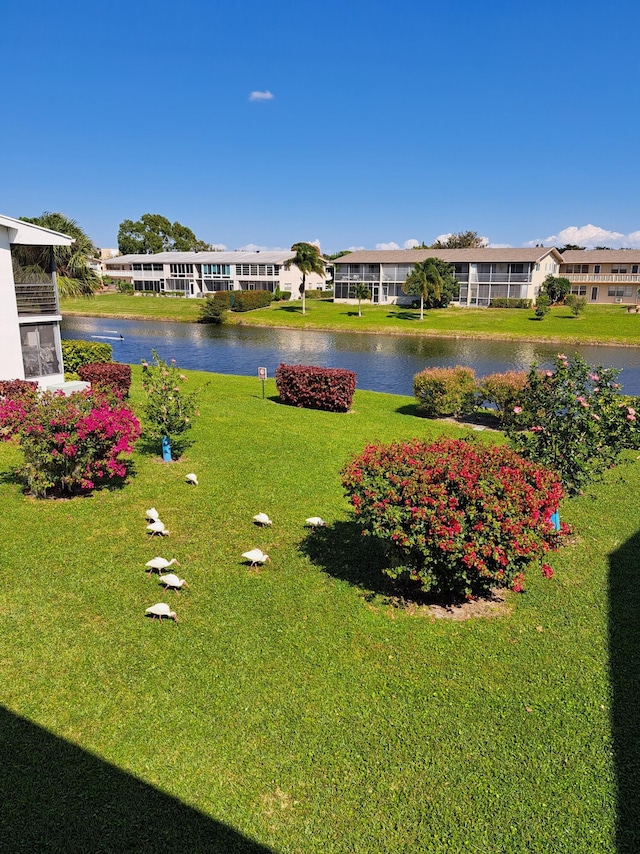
70,444
445,391
111,376
330,389
458,517
16,389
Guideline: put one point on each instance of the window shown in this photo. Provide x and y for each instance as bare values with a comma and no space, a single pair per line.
146,267
634,268
596,268
158,267
577,268
579,290
40,349
136,266
181,269
618,268
620,291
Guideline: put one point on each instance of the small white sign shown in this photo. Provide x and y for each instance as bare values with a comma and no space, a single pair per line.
262,374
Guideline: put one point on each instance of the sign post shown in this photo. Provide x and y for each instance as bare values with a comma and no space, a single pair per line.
262,375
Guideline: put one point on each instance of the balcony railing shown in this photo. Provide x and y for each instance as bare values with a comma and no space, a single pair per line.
36,299
602,277
500,278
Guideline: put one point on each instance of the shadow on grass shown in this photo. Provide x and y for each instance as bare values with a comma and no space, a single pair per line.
404,315
343,552
624,667
57,797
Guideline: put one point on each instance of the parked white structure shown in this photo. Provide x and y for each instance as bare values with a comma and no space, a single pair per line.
29,311
196,274
483,274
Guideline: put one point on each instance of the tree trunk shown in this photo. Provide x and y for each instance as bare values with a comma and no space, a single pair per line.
304,278
421,307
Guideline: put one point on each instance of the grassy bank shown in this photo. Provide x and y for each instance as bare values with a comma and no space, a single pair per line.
295,706
598,324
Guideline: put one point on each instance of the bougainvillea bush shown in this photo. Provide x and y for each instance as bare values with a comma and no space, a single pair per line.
576,421
70,444
458,517
445,391
330,389
169,411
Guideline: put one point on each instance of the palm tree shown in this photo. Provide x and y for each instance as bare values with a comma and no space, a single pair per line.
425,280
360,292
308,260
74,277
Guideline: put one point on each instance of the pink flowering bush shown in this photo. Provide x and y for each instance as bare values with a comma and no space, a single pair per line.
502,391
445,391
70,444
573,420
169,411
458,517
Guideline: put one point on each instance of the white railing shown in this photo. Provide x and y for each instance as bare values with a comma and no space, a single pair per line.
602,277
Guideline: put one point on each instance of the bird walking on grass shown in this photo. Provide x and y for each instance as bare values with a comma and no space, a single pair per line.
256,556
315,522
152,515
172,581
262,519
157,528
160,563
161,610
192,479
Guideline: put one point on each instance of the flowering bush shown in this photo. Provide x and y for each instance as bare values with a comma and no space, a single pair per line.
577,422
458,517
15,389
70,444
445,391
330,389
504,392
168,410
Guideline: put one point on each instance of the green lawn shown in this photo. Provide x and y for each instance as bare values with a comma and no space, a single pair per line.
598,324
294,704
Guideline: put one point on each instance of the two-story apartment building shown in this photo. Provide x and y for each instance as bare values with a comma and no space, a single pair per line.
29,312
483,274
196,274
603,275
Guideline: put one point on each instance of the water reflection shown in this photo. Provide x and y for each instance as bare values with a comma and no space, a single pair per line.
382,362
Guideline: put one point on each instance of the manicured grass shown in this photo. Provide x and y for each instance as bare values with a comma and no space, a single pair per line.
598,324
295,705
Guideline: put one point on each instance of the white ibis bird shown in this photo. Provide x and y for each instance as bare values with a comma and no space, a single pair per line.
161,610
160,563
256,556
173,582
262,519
157,528
192,478
315,522
152,514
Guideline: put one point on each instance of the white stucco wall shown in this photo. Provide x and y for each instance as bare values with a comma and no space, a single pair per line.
11,367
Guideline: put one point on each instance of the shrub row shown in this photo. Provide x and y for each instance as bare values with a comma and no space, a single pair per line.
77,353
113,377
330,389
240,300
442,392
510,302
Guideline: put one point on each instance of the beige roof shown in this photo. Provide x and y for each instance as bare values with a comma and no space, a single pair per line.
480,256
268,256
601,256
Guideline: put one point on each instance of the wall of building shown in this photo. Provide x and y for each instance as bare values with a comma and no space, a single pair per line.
11,367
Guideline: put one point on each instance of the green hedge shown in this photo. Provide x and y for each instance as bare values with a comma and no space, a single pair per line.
511,302
77,353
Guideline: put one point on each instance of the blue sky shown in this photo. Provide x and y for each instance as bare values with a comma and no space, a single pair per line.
389,121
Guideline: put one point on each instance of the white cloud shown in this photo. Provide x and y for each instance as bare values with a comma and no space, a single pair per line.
218,247
391,245
411,243
253,247
499,246
355,248
261,96
590,236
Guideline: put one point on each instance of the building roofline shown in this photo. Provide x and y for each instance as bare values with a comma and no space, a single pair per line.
33,235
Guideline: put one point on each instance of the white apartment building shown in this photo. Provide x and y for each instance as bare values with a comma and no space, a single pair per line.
29,311
483,274
603,275
196,274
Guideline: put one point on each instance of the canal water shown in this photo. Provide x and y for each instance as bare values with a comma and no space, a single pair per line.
382,362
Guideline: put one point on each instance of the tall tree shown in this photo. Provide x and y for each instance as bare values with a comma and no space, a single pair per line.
154,233
308,260
424,281
556,288
460,240
74,276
